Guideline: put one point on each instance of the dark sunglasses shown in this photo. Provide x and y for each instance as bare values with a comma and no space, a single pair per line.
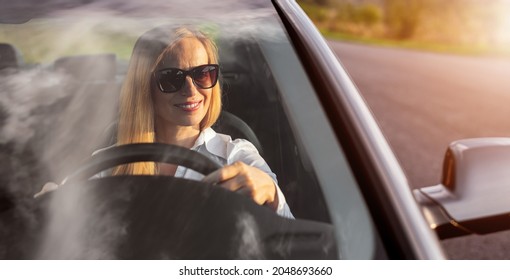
172,79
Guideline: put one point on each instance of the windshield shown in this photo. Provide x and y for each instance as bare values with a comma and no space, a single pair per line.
68,78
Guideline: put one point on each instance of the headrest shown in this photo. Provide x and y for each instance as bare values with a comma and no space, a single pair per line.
10,57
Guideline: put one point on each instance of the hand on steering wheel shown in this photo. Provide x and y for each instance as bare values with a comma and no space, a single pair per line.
246,180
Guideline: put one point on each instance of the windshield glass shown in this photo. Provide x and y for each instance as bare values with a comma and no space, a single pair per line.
68,76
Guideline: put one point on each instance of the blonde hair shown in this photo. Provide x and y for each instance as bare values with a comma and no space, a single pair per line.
136,110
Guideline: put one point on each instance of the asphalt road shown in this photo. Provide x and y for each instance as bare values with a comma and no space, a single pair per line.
422,102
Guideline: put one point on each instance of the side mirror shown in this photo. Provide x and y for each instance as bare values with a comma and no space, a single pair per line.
474,194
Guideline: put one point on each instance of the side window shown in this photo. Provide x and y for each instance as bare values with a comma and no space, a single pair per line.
318,151
266,86
250,93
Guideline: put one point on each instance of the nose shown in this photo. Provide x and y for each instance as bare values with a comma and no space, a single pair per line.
189,88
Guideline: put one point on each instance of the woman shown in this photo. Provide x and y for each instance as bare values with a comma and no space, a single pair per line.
171,95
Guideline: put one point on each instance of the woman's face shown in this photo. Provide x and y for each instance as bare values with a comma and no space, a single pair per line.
188,105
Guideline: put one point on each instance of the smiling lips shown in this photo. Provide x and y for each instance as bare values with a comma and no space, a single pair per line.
189,106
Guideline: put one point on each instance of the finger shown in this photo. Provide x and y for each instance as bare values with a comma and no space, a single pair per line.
233,184
250,193
257,197
212,177
243,185
223,174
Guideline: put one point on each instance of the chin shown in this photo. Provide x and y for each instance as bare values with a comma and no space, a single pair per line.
190,122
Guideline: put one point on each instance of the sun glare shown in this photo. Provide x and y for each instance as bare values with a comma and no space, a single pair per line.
503,32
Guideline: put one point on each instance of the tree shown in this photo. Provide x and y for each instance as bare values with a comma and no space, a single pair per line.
403,17
316,2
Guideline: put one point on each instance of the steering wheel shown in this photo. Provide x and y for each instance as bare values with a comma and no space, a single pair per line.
151,217
141,152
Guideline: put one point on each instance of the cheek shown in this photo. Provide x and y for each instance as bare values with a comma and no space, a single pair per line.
207,96
160,101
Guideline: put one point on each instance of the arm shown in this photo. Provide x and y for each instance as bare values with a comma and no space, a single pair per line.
247,172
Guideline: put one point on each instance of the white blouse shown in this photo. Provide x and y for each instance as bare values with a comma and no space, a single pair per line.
222,149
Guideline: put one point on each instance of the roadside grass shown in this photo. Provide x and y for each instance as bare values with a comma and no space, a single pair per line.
466,50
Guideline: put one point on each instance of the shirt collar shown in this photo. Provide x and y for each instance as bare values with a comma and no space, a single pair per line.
212,142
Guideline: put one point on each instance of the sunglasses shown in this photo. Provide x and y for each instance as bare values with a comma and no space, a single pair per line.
172,79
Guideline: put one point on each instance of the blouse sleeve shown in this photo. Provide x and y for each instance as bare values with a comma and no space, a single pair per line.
244,151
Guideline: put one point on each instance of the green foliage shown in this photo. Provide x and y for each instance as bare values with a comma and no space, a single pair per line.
369,14
323,3
316,13
345,12
344,17
403,17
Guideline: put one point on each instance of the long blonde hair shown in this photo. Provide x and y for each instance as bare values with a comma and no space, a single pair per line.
136,110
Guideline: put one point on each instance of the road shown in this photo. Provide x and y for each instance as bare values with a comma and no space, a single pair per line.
423,101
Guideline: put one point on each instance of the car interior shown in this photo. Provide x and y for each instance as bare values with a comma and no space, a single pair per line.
252,109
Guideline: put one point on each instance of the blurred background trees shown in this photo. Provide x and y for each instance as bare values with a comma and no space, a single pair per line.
473,23
403,17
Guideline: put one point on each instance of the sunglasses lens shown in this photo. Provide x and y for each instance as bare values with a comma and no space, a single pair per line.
171,80
205,76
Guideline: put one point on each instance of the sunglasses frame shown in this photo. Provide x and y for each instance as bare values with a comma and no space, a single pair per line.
190,72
